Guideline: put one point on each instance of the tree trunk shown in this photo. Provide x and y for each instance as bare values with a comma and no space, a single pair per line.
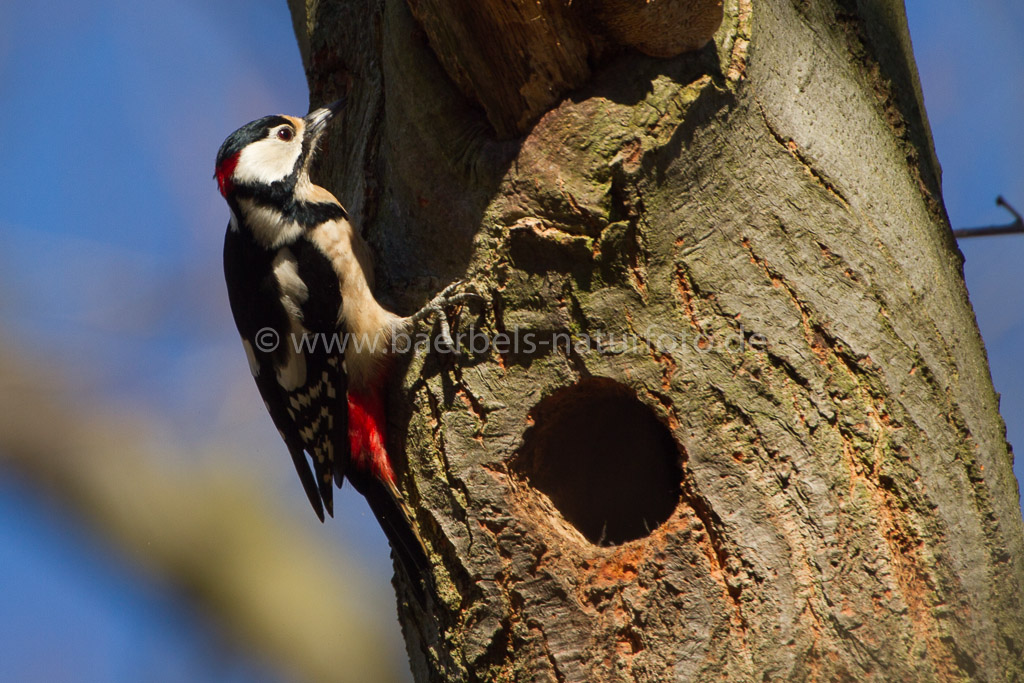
740,425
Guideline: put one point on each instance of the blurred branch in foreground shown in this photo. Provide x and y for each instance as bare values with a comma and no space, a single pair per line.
216,534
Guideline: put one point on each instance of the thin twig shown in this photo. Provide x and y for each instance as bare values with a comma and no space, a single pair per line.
1013,228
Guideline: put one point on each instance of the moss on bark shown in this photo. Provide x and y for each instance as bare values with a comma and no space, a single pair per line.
760,219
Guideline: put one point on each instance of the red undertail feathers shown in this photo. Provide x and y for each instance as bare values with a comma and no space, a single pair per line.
366,434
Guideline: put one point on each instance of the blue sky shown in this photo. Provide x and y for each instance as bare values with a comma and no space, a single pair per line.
113,227
971,62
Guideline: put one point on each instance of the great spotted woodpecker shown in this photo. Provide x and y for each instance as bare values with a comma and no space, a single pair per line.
299,281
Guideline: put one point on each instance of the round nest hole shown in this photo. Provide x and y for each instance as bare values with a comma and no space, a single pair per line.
604,459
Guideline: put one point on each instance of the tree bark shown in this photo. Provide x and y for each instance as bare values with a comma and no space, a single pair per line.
772,449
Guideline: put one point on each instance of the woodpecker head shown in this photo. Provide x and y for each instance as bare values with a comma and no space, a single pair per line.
273,150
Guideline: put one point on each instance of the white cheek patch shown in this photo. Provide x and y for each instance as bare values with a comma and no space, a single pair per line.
268,160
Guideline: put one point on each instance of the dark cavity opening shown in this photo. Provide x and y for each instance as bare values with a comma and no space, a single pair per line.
604,459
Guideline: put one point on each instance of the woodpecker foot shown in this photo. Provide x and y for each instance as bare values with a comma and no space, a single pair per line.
447,297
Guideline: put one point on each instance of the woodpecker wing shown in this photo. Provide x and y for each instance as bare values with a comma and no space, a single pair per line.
290,330
323,408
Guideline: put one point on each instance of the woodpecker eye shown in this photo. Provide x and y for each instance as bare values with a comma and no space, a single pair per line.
285,134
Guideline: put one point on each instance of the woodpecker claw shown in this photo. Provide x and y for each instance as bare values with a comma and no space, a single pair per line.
447,297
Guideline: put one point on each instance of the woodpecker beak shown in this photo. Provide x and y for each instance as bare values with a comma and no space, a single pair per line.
317,119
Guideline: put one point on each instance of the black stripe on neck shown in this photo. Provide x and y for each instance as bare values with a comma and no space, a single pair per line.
280,197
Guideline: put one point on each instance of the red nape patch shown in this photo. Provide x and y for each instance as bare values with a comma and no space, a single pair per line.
366,434
224,173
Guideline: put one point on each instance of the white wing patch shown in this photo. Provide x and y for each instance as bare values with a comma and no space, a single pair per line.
294,292
292,374
250,354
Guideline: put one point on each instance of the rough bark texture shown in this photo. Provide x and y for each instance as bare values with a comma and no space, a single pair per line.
516,58
759,225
